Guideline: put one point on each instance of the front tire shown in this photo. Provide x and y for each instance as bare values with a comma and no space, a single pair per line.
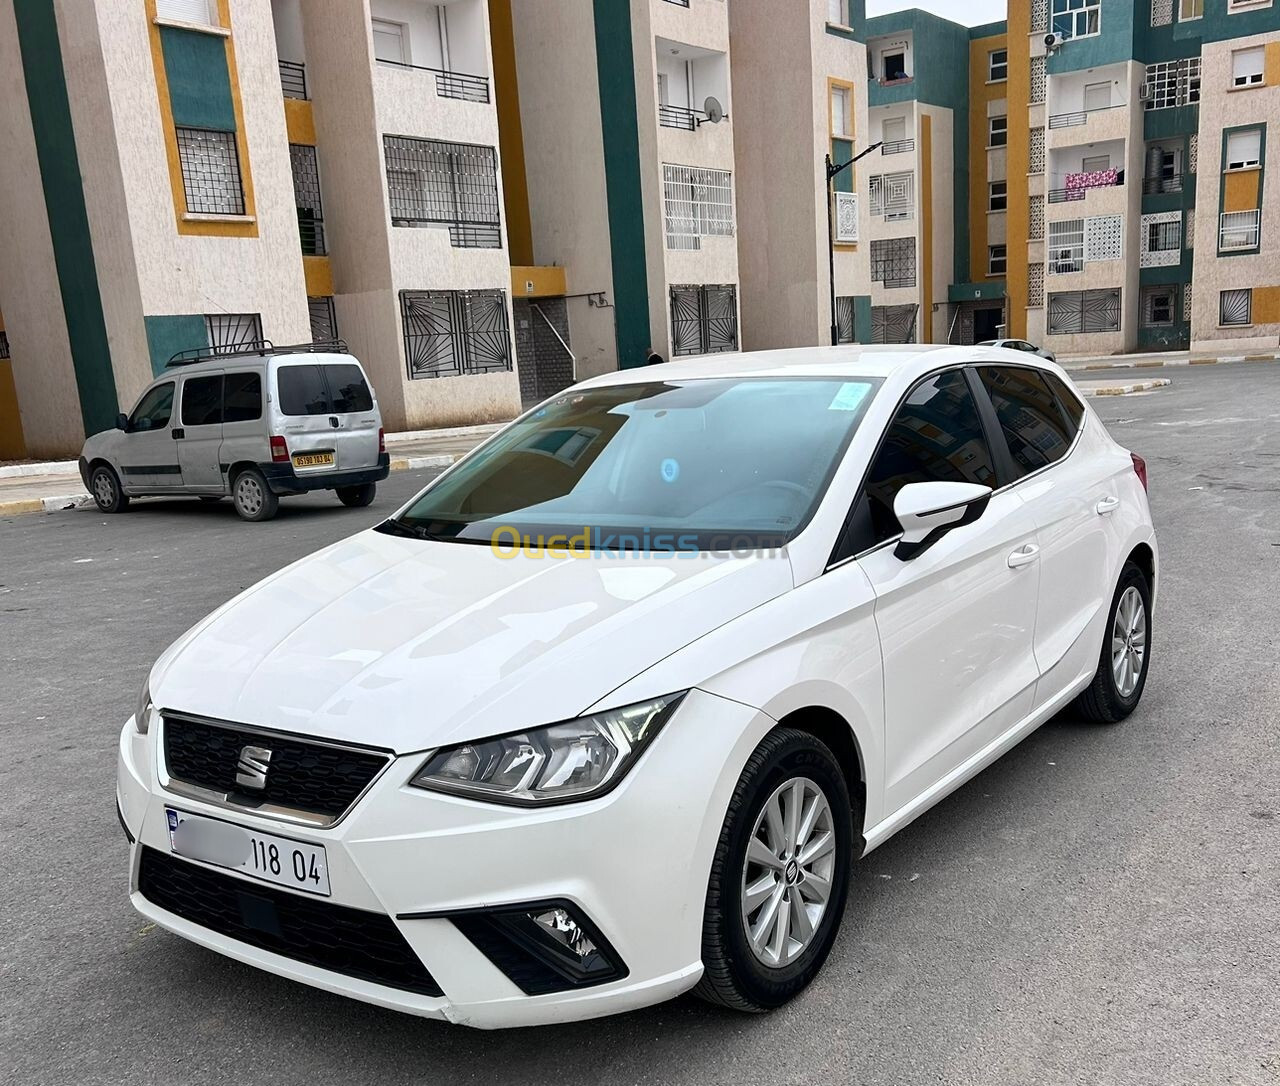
780,875
1126,652
104,485
252,497
357,497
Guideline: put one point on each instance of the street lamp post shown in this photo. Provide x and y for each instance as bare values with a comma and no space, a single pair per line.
832,171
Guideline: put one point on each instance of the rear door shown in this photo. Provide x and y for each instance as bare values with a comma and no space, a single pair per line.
1066,495
244,431
330,420
148,458
356,436
198,434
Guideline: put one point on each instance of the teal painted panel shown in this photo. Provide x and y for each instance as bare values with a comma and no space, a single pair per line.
989,290
989,30
168,335
842,152
621,138
862,318
1165,124
1114,43
60,180
1219,25
199,83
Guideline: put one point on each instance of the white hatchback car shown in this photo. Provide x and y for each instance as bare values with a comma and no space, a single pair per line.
607,712
257,423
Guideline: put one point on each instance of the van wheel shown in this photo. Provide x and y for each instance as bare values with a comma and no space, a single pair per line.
253,498
357,497
779,877
104,485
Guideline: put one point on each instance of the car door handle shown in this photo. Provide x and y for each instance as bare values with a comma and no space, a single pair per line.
1107,505
1024,556
178,433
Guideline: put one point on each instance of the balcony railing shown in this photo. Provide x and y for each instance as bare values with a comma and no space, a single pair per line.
1239,229
1153,186
1080,116
680,117
1080,192
679,3
895,147
468,88
311,231
293,79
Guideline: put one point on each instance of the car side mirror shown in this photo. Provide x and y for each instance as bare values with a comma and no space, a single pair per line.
928,511
122,422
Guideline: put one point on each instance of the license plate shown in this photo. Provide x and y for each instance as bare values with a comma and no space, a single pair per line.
264,856
313,460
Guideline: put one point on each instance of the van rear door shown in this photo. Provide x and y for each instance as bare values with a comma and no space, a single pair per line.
356,435
330,419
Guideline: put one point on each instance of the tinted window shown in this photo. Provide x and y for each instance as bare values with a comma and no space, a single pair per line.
1033,427
302,391
154,409
936,436
1069,400
202,401
241,397
349,389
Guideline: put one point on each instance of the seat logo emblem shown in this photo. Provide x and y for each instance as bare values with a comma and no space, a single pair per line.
251,769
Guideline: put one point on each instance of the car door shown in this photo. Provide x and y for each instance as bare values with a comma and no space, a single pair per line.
148,459
244,432
356,435
1070,501
955,623
308,424
199,433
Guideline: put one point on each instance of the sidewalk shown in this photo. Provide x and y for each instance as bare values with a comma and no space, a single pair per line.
37,488
1159,359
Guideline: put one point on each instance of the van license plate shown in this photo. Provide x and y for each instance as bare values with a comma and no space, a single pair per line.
313,460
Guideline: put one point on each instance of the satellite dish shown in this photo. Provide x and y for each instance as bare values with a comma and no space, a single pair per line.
713,109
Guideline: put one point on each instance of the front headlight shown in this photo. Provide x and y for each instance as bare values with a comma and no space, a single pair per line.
142,715
575,759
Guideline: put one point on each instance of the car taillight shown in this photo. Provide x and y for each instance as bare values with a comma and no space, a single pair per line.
279,450
1140,469
382,440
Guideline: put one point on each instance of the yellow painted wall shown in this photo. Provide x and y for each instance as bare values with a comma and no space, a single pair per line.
1266,305
981,94
547,281
318,272
1271,64
1240,190
12,444
506,94
300,121
1018,91
926,233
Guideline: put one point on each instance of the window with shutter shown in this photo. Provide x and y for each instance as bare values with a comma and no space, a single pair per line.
1246,67
199,12
1244,149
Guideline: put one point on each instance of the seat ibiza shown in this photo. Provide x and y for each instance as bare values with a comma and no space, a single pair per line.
607,712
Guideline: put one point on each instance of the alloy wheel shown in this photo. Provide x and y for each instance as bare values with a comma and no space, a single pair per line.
1128,641
786,877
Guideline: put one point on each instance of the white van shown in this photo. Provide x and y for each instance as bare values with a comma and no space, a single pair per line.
257,424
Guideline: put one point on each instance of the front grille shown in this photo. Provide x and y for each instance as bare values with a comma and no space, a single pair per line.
300,775
353,942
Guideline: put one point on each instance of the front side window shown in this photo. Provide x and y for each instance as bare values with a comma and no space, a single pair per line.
997,131
935,437
702,464
997,65
1033,427
154,409
1076,18
202,401
210,166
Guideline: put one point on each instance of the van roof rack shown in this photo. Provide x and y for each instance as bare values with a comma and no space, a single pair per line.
258,347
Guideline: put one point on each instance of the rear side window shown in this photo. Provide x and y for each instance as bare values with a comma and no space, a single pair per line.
1033,427
303,391
202,401
348,388
935,436
1069,400
242,397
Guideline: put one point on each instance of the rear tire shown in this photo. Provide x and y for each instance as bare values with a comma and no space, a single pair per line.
357,497
104,485
757,869
1126,652
253,499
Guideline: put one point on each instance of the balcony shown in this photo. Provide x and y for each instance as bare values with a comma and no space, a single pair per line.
897,147
1156,186
460,85
293,79
311,231
1079,185
1080,116
680,117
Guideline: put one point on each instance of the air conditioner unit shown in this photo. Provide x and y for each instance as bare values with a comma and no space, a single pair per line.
1053,42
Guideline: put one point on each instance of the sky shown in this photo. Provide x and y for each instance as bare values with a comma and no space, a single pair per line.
969,12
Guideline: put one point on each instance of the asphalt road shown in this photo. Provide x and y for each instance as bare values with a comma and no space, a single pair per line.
1101,906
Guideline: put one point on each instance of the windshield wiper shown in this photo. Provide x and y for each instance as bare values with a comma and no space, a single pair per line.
391,526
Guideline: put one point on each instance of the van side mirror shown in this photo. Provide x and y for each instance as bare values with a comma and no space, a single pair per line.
122,422
928,511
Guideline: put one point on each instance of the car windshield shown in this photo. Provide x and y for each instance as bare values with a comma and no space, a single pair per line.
676,465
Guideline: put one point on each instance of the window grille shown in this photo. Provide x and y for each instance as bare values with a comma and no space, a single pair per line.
306,198
210,171
1161,237
1172,83
844,319
1066,246
1035,285
893,323
1239,229
1235,307
1157,306
448,333
1076,311
893,196
435,183
704,319
231,332
697,203
324,321
893,262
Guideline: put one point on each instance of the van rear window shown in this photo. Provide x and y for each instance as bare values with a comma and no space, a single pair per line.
333,389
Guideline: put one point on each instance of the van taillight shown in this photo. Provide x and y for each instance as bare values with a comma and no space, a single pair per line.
1140,469
279,450
382,440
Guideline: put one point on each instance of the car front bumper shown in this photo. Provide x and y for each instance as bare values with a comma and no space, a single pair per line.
634,863
283,479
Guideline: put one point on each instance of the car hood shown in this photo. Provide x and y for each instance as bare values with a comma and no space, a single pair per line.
406,644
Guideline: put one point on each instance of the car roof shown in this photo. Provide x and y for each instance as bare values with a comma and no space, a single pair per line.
850,360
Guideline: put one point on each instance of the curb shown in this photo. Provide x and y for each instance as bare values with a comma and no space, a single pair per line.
1160,363
1126,389
65,501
